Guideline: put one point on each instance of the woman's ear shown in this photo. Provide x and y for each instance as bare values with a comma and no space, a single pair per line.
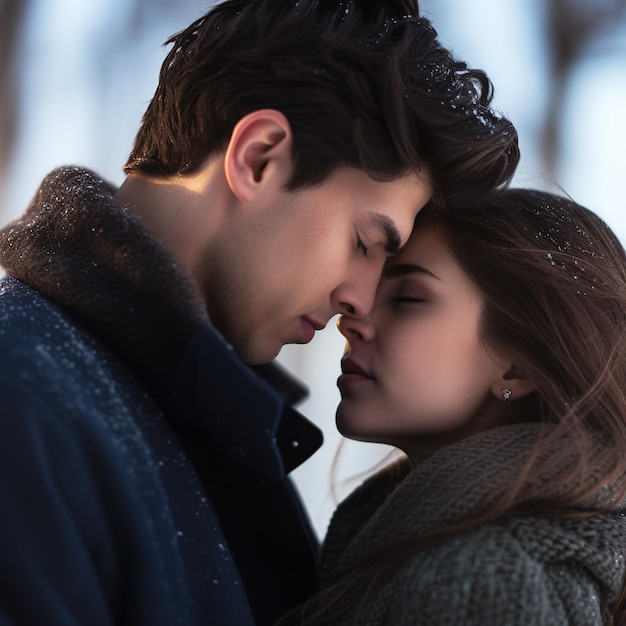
258,153
512,385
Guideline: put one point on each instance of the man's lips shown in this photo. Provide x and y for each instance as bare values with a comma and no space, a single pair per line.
315,323
352,373
309,326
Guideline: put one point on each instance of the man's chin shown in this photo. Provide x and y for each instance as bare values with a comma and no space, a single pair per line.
258,355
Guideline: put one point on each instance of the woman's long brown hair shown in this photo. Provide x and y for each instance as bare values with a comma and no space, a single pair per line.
553,278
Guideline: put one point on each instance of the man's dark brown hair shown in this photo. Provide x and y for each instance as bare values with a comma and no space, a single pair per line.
363,84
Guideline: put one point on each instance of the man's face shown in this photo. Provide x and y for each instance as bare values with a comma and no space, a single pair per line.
292,260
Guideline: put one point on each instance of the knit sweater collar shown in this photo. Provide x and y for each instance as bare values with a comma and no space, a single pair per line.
457,482
96,260
494,574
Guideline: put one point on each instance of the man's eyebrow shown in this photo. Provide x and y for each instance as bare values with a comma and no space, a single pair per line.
405,269
390,230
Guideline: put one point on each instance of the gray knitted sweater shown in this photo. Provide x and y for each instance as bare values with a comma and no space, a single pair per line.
516,571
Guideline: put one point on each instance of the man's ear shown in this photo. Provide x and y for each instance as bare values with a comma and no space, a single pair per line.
512,385
258,153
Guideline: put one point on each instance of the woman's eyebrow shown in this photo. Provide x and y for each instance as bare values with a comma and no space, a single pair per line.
389,230
404,269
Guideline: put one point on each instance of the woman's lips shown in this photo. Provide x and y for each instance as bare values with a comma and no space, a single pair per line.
353,373
351,379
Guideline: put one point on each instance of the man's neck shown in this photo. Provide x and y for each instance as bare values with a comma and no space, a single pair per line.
181,212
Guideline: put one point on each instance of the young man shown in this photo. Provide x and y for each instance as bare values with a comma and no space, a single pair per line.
287,150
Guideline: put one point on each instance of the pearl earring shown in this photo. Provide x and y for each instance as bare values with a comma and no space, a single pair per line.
506,394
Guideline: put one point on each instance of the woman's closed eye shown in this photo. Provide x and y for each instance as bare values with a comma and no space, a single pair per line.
408,300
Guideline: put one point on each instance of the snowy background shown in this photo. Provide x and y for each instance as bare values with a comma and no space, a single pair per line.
76,77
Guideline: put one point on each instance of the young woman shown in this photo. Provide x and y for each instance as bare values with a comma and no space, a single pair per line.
495,359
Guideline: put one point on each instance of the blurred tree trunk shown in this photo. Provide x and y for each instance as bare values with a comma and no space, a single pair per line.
572,27
11,19
131,26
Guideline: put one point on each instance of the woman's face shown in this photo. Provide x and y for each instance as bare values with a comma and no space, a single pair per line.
415,370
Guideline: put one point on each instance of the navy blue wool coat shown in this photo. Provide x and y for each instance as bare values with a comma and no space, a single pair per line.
141,472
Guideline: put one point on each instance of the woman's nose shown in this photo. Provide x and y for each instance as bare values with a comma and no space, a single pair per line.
353,328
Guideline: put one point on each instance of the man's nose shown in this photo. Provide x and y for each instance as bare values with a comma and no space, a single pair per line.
355,296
